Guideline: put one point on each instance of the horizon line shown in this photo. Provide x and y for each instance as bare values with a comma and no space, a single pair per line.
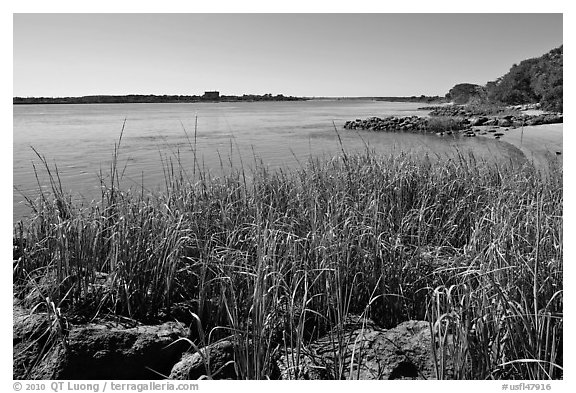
235,95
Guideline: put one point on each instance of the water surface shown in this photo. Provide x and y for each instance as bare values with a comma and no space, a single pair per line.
80,139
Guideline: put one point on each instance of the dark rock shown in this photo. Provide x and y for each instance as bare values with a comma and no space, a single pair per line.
46,347
403,352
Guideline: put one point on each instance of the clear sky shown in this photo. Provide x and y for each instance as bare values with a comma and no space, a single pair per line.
291,54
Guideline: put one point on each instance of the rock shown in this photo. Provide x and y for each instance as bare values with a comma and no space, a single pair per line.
29,334
534,122
44,349
215,361
478,121
504,122
491,122
403,352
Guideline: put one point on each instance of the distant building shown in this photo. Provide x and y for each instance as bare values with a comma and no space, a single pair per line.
211,95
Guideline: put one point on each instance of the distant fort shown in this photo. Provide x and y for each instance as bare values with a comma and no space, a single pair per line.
211,96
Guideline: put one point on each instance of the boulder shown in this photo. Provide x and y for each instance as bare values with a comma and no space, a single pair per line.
215,361
46,347
364,351
491,122
536,121
29,334
478,121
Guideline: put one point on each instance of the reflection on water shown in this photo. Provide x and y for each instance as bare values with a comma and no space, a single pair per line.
80,139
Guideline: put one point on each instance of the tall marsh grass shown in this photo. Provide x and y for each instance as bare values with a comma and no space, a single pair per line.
278,258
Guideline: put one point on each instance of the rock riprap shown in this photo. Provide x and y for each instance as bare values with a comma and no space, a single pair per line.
407,123
448,124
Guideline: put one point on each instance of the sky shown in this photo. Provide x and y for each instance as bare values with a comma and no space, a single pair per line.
309,55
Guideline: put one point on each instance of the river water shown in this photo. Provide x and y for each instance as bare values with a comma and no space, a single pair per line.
80,139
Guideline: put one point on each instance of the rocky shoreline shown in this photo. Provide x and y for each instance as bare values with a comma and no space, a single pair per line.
431,125
122,351
476,110
452,119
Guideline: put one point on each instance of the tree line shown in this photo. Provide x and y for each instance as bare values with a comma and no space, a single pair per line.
533,80
150,98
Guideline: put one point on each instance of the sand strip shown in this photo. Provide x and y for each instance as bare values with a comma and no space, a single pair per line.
538,143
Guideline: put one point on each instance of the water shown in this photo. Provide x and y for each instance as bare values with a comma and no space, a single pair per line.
80,139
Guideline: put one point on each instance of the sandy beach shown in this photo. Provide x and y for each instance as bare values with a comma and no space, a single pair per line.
538,143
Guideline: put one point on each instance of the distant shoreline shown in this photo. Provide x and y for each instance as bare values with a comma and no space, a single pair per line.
149,99
176,99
